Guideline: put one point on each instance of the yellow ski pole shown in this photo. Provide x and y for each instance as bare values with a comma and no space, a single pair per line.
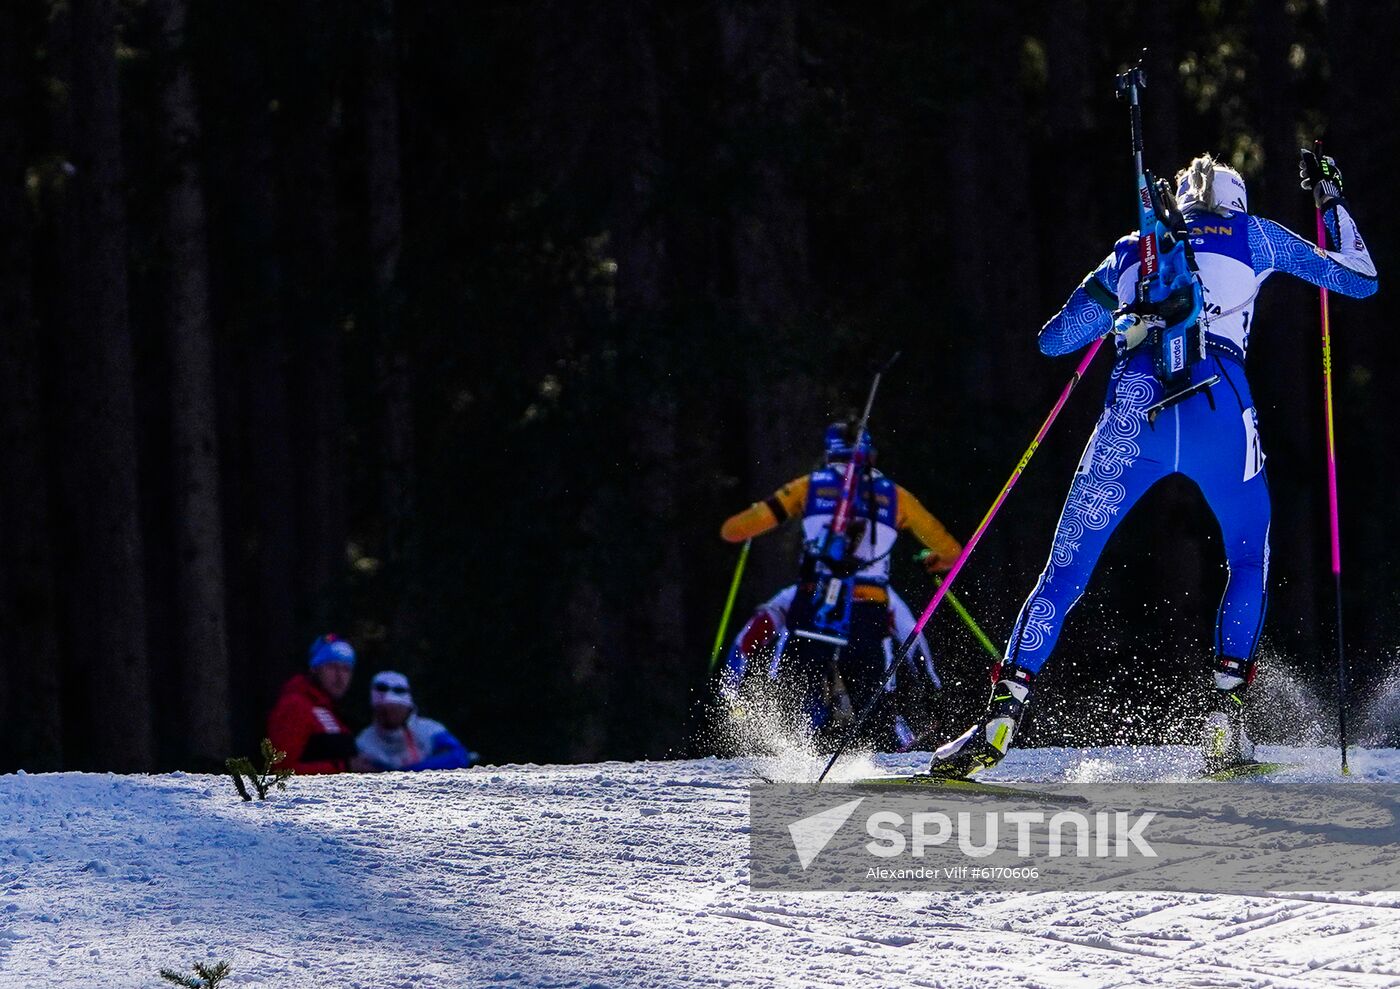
966,616
977,632
729,604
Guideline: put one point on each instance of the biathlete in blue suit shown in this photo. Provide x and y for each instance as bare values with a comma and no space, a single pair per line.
1210,435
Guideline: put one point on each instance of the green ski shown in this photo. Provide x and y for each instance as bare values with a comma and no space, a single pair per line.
1243,769
957,785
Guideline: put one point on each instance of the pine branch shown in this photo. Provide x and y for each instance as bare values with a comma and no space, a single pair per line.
236,769
205,976
212,974
272,776
263,780
170,975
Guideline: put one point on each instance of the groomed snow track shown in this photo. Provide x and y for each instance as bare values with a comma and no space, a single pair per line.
615,874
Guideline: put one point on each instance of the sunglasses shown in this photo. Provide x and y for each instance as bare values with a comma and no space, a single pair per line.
384,688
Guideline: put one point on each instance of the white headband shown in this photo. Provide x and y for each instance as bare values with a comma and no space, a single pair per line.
1227,188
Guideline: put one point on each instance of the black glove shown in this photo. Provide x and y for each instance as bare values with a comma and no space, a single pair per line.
1321,176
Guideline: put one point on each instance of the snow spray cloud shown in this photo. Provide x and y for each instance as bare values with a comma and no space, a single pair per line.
767,718
763,717
1285,709
1199,837
1380,711
1160,704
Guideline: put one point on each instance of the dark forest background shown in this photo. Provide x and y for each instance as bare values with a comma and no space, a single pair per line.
459,327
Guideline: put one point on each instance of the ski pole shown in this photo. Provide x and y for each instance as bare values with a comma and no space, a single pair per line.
729,604
973,627
947,584
1332,490
964,614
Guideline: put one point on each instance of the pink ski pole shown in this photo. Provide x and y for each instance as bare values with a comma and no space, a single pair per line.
947,584
1332,490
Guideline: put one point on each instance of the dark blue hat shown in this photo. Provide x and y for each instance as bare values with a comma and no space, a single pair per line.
839,445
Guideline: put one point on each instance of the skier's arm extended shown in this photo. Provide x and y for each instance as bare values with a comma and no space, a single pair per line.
915,518
1347,269
1087,315
768,514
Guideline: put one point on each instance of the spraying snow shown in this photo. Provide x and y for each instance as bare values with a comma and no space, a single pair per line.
1380,712
765,720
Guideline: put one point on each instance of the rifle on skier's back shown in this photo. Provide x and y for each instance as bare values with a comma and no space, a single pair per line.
835,590
1168,300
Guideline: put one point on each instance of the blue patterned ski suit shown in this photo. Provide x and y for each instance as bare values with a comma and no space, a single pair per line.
1211,437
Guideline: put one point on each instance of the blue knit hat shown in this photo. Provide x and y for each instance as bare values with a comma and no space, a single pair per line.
330,648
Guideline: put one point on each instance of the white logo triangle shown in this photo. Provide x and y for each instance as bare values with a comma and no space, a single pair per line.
811,834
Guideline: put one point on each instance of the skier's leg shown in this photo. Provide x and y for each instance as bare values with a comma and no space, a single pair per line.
1244,515
1119,465
1230,472
915,699
916,683
861,667
1124,458
759,635
803,667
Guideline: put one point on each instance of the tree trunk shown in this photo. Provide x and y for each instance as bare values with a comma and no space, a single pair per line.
201,644
261,449
1077,203
308,118
574,59
1162,101
988,191
656,625
772,282
1291,422
392,366
1361,40
29,651
108,603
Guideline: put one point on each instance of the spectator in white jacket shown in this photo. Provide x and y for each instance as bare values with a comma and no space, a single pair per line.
400,738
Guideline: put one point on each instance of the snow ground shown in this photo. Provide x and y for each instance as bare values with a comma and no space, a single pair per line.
615,874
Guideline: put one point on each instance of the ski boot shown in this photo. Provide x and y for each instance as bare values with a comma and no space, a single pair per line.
1225,743
985,744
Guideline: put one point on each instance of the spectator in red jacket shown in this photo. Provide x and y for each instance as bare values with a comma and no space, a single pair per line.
304,722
